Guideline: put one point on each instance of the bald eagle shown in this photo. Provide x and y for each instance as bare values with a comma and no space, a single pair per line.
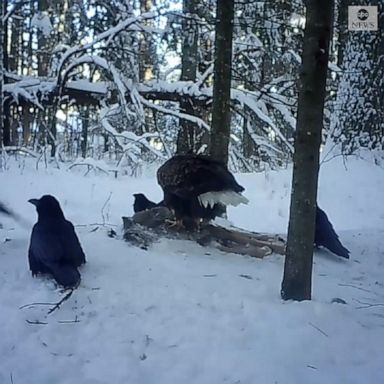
198,188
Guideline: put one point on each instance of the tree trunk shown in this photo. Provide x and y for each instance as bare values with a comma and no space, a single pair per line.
297,278
186,134
249,145
147,49
43,58
27,122
44,53
52,124
27,62
84,132
342,29
221,117
2,32
6,111
14,57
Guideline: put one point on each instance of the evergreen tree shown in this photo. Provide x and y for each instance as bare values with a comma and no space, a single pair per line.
358,120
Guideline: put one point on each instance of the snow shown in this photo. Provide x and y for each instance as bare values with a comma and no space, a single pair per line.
131,137
180,313
85,85
198,121
29,89
42,23
107,35
255,106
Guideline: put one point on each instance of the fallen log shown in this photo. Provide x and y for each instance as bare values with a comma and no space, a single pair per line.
146,227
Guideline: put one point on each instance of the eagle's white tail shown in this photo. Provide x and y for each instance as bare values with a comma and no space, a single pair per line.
222,197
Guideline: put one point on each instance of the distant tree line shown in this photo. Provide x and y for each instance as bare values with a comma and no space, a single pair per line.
136,81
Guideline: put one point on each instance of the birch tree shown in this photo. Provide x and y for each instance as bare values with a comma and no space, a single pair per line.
189,61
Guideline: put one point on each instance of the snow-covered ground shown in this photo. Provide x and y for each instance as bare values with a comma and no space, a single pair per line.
180,313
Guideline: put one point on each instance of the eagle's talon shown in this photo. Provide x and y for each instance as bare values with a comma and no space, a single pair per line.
174,224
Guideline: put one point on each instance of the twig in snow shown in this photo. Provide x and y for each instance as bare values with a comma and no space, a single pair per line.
368,305
321,331
103,207
34,304
11,377
249,277
69,321
57,305
36,322
311,366
359,288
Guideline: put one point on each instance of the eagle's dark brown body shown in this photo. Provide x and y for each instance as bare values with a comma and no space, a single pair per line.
197,187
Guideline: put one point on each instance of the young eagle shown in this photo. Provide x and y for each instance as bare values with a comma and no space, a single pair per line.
197,187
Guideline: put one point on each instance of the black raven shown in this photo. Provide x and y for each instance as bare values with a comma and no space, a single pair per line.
142,203
326,236
54,248
198,187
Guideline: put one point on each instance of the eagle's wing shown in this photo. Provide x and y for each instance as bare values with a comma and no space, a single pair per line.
196,175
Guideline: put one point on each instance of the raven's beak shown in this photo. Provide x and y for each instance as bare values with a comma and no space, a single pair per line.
35,202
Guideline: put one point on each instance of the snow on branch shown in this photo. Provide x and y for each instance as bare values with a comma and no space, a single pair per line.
259,103
91,163
254,100
14,7
30,89
133,139
204,76
253,104
121,82
107,35
23,150
179,88
183,116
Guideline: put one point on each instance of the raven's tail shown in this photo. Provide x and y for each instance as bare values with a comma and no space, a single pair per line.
66,275
335,246
326,236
